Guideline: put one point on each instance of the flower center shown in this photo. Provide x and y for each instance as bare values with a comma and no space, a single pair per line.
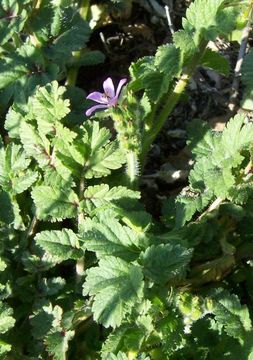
106,96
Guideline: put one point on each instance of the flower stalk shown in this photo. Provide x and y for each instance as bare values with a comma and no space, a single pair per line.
171,101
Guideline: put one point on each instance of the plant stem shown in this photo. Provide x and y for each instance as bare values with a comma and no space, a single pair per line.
16,40
80,263
132,168
172,100
84,8
71,76
73,72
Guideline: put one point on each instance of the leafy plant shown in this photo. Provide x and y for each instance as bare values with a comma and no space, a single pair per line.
85,271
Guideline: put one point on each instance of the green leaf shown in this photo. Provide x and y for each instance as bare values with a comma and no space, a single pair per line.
92,154
61,244
201,141
25,69
14,175
44,318
231,315
101,195
57,343
128,337
6,319
63,45
13,17
117,287
184,41
247,79
202,16
187,205
156,85
55,204
35,145
119,356
51,286
215,61
163,263
111,238
167,60
48,106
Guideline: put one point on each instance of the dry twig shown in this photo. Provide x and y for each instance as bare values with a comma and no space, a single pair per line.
237,71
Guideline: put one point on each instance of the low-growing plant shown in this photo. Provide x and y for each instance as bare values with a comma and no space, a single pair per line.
86,271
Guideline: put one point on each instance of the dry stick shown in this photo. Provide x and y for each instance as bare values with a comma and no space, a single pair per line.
237,72
170,24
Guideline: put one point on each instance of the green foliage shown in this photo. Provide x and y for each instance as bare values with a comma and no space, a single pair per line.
215,61
6,319
247,78
13,16
111,238
215,173
165,262
117,287
70,219
62,245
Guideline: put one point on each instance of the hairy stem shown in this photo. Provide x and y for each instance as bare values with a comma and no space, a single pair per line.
132,168
172,100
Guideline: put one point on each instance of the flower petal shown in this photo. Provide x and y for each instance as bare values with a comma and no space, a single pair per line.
109,87
113,101
98,97
94,108
121,83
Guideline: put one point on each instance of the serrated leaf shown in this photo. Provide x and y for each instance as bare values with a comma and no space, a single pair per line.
156,85
48,106
215,61
184,41
167,60
101,195
14,175
25,69
35,145
6,208
119,356
201,141
92,154
13,17
45,317
162,263
117,287
128,336
61,244
55,204
233,316
201,15
112,239
51,286
64,45
6,319
187,205
57,343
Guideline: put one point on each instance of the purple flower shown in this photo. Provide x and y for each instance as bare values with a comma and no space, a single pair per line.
107,99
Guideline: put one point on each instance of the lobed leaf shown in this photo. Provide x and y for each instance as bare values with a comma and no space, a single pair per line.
117,287
55,204
61,244
162,263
